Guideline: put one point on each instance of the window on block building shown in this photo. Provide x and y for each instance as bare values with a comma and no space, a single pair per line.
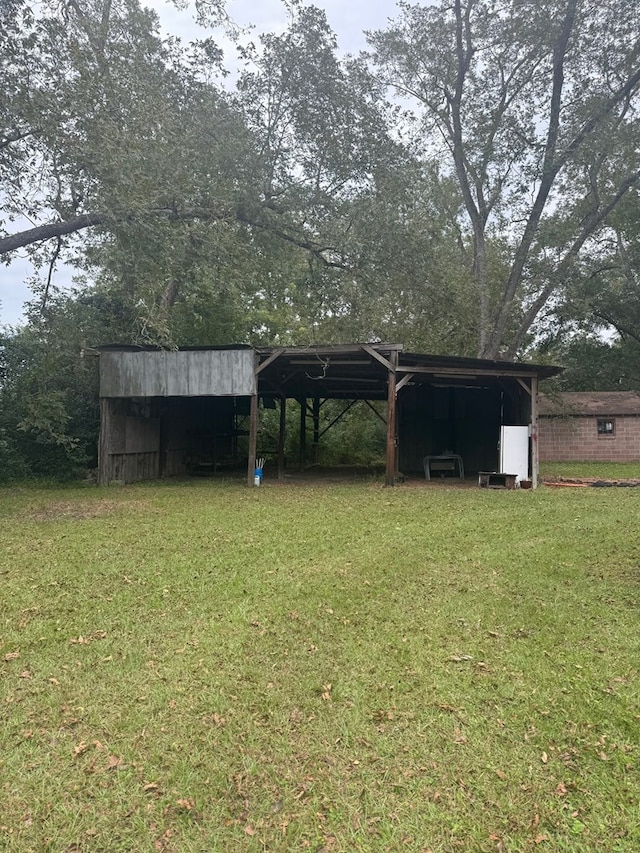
606,427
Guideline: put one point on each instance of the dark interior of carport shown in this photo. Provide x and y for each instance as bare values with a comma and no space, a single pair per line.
437,404
434,405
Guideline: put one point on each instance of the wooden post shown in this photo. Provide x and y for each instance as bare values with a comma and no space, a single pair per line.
281,436
104,441
316,429
398,418
391,423
253,438
303,431
535,457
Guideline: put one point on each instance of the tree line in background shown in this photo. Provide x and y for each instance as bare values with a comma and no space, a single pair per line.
468,186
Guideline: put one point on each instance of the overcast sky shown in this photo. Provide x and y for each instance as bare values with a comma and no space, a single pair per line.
348,18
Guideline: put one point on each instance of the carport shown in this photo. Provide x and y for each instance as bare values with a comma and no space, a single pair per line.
196,410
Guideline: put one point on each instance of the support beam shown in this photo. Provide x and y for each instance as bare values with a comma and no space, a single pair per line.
303,431
281,437
268,361
253,438
465,373
404,381
315,414
535,455
104,441
375,411
383,361
338,417
390,476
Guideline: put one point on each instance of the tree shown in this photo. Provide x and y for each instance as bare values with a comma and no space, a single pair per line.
534,105
594,330
107,126
49,414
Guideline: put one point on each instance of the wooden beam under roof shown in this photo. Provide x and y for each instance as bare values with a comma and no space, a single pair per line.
444,372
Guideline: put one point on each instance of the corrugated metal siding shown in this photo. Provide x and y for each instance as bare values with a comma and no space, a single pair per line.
216,373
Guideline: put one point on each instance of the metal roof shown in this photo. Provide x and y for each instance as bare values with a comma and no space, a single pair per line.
479,366
361,370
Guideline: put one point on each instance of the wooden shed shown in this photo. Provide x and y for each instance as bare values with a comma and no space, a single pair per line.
195,410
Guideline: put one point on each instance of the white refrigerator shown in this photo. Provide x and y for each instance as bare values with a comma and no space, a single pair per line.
514,451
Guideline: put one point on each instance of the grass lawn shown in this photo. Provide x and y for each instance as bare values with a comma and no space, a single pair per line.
206,667
604,470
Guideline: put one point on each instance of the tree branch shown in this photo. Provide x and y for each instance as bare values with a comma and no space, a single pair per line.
550,170
591,222
53,229
621,328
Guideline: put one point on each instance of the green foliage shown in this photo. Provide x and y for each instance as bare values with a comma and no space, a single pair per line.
48,390
532,107
492,209
596,365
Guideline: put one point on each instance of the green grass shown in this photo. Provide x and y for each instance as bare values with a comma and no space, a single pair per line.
205,667
605,470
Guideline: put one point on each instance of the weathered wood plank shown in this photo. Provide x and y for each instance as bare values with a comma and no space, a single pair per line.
253,439
186,373
176,377
390,475
370,351
142,435
535,450
155,373
281,437
202,378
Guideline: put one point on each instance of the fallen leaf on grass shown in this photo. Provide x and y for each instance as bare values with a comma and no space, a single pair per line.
116,763
459,658
161,843
150,787
326,692
443,706
458,737
25,674
539,839
11,656
85,641
544,758
185,804
81,748
561,789
249,830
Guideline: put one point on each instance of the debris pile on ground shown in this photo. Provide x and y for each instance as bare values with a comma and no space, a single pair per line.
583,482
